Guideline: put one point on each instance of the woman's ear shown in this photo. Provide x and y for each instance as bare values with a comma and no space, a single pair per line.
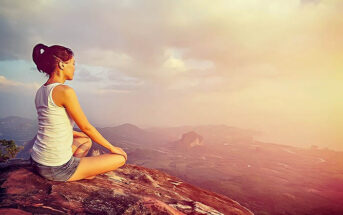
61,65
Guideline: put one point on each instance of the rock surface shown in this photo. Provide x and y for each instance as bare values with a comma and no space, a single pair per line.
130,189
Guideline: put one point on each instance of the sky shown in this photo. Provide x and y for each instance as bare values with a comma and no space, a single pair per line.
273,66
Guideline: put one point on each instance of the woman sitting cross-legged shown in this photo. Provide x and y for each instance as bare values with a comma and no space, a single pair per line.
59,152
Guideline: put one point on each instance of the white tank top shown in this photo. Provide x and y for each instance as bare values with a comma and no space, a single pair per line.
52,146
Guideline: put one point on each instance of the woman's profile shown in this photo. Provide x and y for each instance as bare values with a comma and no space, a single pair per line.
59,152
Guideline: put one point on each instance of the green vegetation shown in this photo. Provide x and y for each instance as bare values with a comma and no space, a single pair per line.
8,149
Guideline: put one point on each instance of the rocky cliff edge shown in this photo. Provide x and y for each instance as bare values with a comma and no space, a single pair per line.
130,189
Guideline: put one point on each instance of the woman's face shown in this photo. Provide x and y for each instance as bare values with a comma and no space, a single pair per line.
69,69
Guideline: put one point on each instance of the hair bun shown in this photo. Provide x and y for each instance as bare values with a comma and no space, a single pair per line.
42,46
37,55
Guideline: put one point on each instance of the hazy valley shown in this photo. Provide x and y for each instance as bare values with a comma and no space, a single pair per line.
267,178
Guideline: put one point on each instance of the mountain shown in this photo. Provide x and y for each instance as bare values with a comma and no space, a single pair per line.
187,142
212,134
130,134
131,189
191,139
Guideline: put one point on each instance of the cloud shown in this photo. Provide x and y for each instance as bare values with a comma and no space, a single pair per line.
106,58
7,85
240,58
227,35
175,63
85,73
236,40
109,92
125,83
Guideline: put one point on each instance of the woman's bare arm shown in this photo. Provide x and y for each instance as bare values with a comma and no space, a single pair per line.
73,108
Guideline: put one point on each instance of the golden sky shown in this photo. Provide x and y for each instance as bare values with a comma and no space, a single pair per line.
268,65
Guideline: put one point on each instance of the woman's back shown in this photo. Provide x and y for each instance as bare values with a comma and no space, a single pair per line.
52,146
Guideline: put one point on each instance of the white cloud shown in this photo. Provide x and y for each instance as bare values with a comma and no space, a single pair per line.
9,85
105,58
107,92
176,64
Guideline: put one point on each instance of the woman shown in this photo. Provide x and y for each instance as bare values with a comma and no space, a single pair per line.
58,152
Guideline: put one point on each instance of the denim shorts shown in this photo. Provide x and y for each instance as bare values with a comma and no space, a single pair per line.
57,173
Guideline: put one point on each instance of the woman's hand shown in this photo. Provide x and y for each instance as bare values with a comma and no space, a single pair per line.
79,134
118,150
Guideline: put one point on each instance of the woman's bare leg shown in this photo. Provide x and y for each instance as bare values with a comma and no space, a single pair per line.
91,166
81,147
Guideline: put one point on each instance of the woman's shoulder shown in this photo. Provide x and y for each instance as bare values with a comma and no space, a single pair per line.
62,90
66,91
63,93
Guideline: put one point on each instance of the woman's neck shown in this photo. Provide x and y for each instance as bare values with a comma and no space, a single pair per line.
51,81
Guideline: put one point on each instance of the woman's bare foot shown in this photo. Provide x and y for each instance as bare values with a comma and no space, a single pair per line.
90,177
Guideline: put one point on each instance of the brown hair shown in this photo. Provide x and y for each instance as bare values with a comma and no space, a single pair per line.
48,60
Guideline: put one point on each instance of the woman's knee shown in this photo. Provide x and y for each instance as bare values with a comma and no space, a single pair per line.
86,142
89,142
117,158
